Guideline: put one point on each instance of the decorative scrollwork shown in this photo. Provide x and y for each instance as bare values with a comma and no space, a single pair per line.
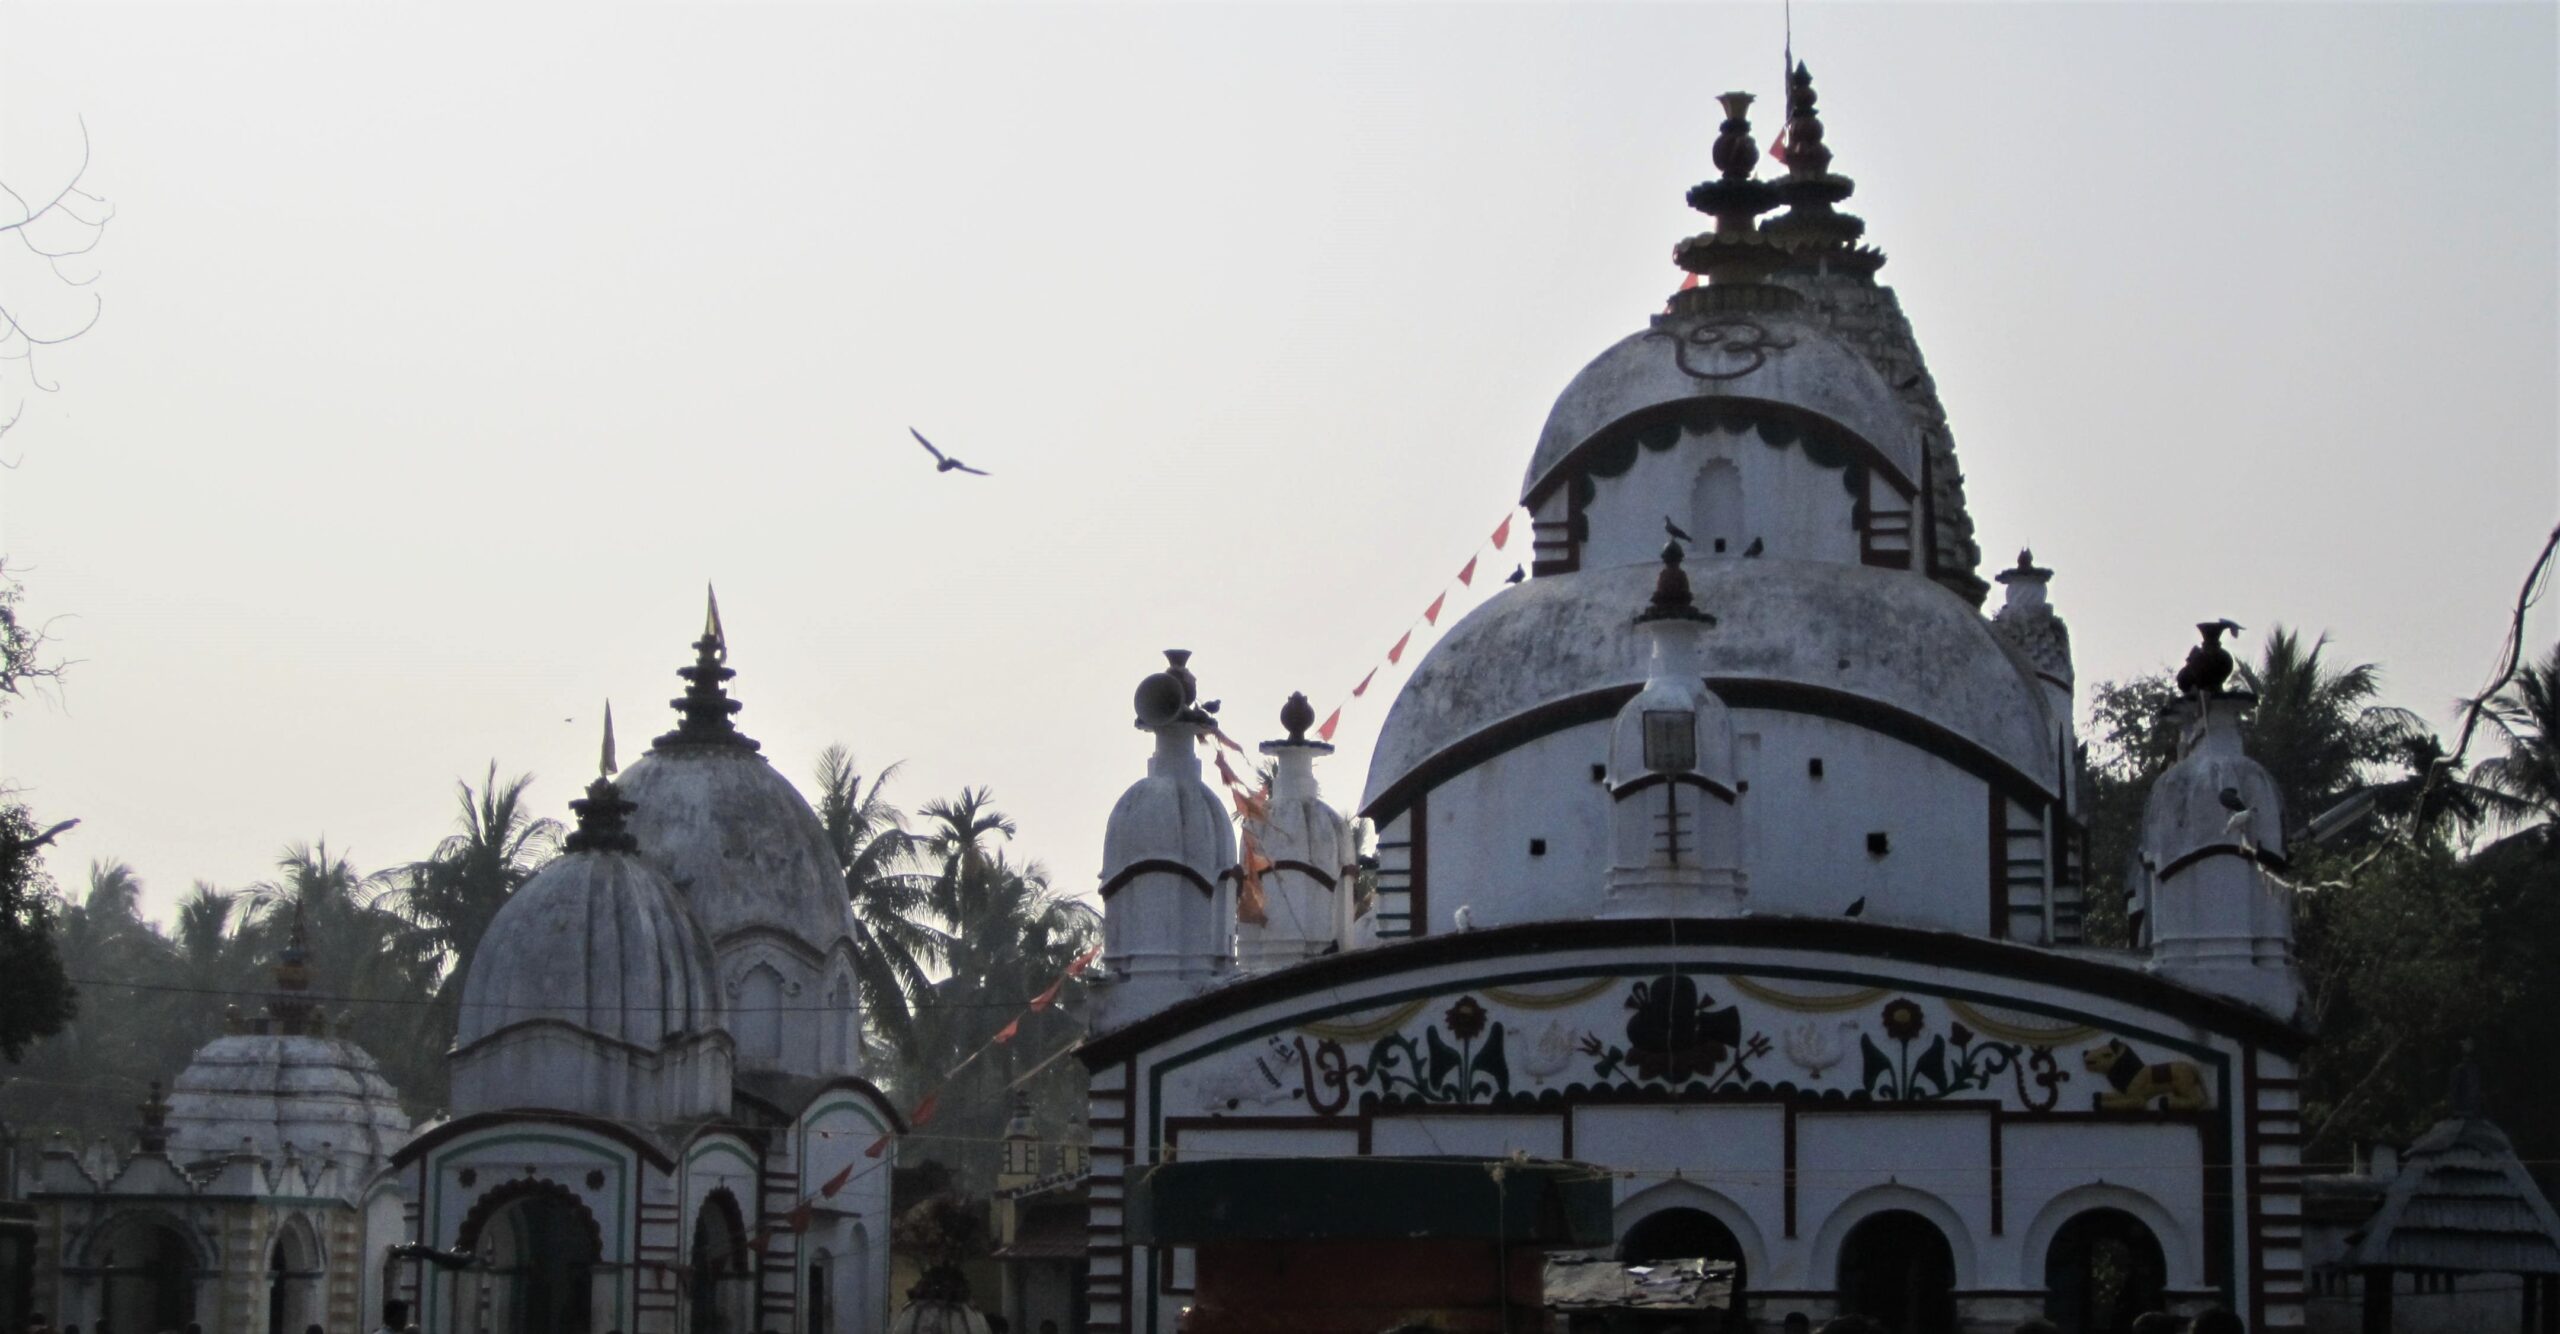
1724,349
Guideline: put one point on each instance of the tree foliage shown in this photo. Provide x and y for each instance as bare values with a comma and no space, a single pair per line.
36,997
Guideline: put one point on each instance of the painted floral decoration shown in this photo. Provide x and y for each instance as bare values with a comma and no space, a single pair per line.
1465,1019
1902,1019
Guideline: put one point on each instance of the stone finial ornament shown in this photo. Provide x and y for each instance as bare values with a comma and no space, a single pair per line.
603,811
705,709
152,1136
1734,252
1672,600
291,1008
1735,153
1296,716
1813,230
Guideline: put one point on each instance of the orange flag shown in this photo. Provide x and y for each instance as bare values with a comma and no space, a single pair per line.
1227,774
1503,533
1396,654
836,1183
1689,282
1467,572
798,1218
922,1116
1008,1032
1332,721
1432,612
1083,961
1363,688
878,1146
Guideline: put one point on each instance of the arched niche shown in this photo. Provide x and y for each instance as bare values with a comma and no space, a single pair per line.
297,1275
2184,1268
755,1014
1898,1268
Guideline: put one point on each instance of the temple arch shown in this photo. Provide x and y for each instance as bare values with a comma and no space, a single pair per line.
538,1253
147,1265
1680,1211
720,1295
2103,1268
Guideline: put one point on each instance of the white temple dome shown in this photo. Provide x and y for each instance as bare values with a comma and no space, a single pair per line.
278,1089
1878,637
1757,357
597,940
740,843
1168,820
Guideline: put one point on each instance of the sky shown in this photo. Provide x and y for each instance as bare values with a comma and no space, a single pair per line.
446,353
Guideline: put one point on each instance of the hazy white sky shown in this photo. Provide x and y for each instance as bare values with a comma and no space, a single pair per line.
448,351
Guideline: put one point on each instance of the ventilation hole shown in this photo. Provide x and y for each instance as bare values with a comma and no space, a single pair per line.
1741,785
1878,845
1599,773
1719,546
1537,847
1813,766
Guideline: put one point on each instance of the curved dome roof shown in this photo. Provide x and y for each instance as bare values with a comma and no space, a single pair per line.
597,939
1884,636
275,1089
1167,817
739,842
1773,357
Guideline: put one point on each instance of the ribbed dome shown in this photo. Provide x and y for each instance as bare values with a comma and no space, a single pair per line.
598,940
278,1089
1881,635
1168,817
739,842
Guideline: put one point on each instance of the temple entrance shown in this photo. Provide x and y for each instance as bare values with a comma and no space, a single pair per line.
538,1254
721,1293
147,1277
293,1280
2103,1269
1684,1234
1896,1267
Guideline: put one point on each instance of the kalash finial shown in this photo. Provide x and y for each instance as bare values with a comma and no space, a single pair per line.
1672,600
1296,717
152,1136
291,1008
1813,229
603,810
705,708
1735,253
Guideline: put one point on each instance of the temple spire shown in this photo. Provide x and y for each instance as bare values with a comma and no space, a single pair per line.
602,812
290,1007
705,708
1812,229
1735,253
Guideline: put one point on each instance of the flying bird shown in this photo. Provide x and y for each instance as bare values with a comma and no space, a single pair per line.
1674,529
1755,548
1857,909
943,462
1518,573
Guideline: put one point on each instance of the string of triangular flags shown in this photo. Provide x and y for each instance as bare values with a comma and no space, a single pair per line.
1252,799
796,1219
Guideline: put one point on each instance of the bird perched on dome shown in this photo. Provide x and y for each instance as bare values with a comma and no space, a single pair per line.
2208,664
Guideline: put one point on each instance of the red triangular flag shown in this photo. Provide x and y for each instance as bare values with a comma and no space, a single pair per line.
798,1219
1363,688
1432,612
1396,654
836,1183
1008,1032
1226,741
1503,533
1778,144
922,1116
1084,961
1045,999
1332,721
1689,282
878,1146
1467,572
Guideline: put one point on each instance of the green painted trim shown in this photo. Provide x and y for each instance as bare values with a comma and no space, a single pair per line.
719,1146
623,1161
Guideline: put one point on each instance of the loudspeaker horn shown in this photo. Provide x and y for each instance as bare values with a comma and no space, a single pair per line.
1160,699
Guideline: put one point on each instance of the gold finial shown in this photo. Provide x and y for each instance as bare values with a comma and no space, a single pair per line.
609,768
711,623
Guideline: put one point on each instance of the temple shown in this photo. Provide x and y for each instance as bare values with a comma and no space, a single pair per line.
1738,857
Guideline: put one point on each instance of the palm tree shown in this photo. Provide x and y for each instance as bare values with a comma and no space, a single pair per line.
2527,716
2316,727
204,925
893,945
455,893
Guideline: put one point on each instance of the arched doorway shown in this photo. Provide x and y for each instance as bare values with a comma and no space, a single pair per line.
721,1293
293,1279
1684,1234
1896,1267
2104,1268
146,1276
538,1250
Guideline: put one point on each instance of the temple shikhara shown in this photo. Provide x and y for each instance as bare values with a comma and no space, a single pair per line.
1736,857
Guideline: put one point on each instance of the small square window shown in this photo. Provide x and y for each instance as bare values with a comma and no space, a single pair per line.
1599,773
1670,741
1537,847
1813,766
1878,844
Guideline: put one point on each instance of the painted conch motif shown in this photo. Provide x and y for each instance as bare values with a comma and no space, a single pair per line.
1815,1050
1548,1056
1258,1077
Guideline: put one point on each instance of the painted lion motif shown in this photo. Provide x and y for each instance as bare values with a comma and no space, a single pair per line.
2133,1083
